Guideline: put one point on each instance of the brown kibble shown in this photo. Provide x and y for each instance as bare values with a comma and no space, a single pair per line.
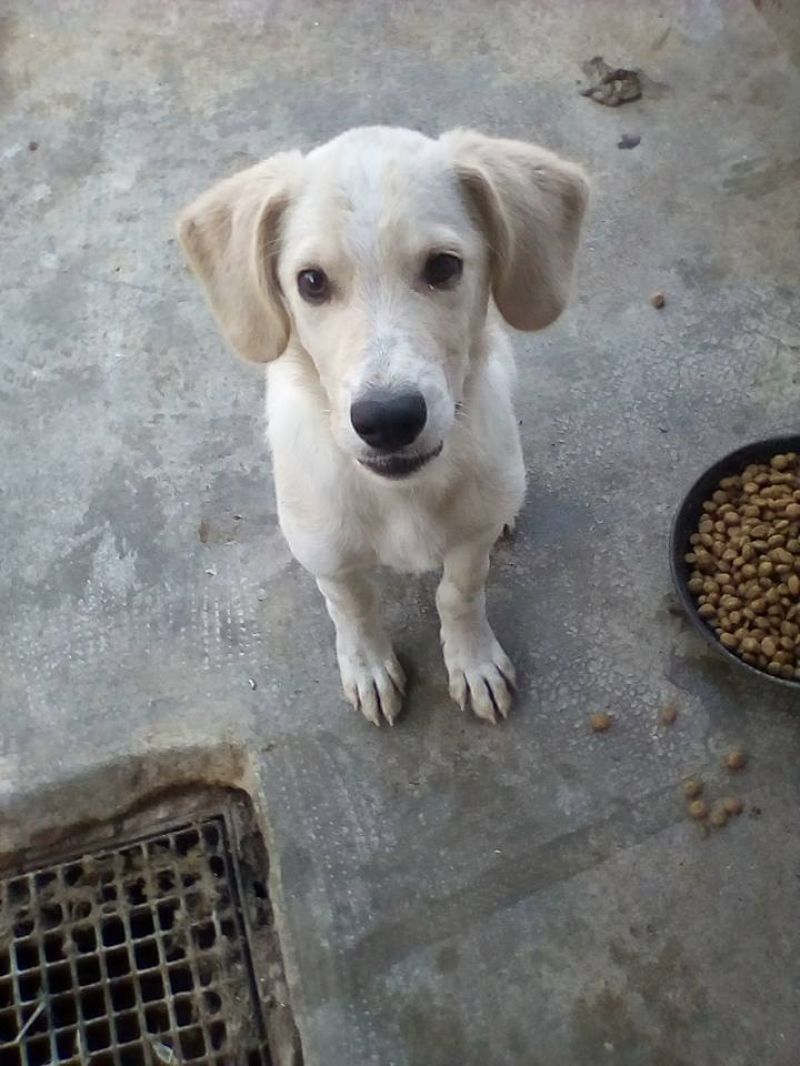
669,712
600,722
779,462
692,788
736,759
657,300
719,816
698,809
781,555
769,647
729,640
733,805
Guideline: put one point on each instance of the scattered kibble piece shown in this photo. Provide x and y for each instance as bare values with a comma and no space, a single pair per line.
669,712
718,816
657,300
736,759
692,788
698,809
600,722
733,805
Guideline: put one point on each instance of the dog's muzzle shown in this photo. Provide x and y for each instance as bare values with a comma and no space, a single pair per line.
396,467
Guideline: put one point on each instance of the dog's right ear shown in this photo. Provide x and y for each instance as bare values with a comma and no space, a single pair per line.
231,236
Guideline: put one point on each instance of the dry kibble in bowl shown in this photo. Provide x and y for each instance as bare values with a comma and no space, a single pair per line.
744,565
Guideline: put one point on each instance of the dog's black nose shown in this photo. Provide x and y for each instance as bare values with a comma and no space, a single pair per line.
389,420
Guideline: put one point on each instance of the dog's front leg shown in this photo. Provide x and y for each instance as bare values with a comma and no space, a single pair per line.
480,672
372,678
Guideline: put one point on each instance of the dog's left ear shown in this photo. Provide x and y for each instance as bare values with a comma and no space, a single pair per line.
530,204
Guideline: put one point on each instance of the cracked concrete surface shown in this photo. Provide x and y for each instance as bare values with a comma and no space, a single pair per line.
447,893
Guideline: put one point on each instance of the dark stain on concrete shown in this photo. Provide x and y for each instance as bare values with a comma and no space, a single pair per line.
754,179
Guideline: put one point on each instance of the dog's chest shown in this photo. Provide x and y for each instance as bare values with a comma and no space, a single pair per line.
406,537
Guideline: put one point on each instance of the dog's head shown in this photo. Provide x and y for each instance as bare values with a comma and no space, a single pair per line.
377,253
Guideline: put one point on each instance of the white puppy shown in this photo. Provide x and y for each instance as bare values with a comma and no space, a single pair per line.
372,267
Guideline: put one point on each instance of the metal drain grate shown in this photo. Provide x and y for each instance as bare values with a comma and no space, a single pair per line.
136,956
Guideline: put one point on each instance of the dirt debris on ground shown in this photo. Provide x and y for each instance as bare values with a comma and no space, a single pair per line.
611,86
669,713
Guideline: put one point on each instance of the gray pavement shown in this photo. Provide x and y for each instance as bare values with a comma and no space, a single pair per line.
447,893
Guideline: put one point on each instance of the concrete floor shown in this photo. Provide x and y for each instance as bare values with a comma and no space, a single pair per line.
447,892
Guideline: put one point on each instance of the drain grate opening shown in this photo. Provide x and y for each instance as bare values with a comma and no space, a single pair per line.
136,955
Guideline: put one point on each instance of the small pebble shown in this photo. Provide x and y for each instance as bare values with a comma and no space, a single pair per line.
600,722
736,759
669,712
657,300
733,805
692,788
32,146
698,809
251,681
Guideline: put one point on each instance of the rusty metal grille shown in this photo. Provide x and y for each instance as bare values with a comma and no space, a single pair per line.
133,956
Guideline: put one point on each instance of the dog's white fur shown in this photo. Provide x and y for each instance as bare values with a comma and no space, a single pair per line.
368,208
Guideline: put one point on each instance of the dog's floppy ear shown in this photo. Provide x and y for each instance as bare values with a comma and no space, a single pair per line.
230,236
530,204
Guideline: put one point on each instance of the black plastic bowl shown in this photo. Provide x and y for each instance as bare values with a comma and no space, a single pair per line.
685,524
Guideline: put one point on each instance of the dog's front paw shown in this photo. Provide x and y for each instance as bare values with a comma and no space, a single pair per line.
373,681
480,673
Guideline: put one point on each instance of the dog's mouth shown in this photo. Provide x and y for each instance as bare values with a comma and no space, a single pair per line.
396,467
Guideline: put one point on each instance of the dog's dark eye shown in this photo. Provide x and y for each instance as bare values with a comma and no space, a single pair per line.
442,270
313,285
